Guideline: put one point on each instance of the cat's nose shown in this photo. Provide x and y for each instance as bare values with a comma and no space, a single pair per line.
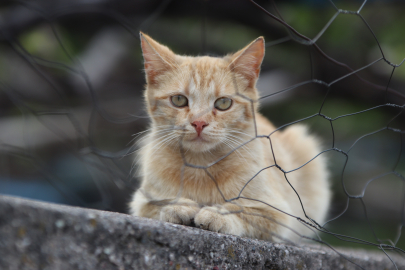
199,125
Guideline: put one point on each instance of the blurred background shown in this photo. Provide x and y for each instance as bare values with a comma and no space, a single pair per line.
71,82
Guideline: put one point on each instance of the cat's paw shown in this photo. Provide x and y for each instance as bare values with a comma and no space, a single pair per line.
179,214
217,220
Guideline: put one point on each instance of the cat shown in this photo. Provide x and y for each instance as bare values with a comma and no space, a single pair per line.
201,110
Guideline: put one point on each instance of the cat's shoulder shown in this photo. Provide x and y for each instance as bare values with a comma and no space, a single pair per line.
296,132
264,126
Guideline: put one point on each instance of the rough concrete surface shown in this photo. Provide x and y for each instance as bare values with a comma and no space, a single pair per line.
37,235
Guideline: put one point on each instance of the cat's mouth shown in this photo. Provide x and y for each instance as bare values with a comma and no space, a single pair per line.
199,143
199,138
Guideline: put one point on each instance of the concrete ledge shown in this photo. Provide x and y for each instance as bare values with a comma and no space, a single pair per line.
37,235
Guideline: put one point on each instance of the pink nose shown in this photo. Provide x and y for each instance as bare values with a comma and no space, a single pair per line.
199,125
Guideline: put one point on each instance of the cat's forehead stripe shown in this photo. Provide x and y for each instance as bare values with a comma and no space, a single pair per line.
209,87
200,70
187,87
206,75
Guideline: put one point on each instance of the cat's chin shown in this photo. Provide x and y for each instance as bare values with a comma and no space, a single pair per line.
199,145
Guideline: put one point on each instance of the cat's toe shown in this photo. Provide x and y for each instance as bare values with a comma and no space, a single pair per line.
210,219
178,214
218,219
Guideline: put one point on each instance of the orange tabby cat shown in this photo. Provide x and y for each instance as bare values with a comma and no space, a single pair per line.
201,110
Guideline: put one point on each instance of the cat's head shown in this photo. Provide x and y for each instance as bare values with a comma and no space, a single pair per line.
206,102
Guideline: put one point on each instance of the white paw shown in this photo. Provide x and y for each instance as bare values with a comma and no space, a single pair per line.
179,214
215,219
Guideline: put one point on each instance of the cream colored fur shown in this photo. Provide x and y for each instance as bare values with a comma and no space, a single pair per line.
187,178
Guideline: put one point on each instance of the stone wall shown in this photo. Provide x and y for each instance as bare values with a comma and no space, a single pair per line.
37,235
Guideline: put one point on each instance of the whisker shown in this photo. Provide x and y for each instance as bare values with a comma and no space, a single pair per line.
240,132
153,142
162,143
228,143
150,134
239,142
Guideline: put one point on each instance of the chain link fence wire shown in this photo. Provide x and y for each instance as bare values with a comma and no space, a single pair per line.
71,85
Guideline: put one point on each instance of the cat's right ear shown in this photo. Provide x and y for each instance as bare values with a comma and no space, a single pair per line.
157,58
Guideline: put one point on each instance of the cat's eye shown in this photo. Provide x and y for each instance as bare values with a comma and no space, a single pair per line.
223,103
179,100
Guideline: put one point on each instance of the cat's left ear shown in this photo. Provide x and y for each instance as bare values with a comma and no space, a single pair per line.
247,61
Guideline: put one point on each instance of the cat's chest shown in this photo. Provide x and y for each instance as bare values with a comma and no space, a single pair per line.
206,186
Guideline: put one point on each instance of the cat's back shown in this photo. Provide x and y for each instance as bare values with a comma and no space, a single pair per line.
298,153
293,146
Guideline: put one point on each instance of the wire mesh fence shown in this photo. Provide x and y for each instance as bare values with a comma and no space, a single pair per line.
72,81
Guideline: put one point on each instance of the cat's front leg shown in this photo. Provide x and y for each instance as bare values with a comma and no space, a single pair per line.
220,218
179,211
255,222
